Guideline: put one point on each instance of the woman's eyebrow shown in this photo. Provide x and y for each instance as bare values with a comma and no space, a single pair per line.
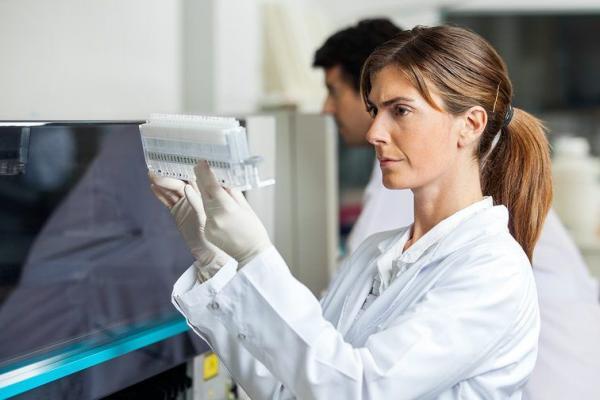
391,101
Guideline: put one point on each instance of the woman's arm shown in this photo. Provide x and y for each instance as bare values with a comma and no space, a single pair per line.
192,299
263,311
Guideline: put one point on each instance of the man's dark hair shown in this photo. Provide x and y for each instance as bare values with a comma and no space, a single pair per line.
349,48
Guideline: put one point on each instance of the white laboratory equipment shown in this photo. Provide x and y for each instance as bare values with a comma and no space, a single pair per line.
173,144
577,187
576,177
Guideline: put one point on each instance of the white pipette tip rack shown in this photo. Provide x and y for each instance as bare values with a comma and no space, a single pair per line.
173,144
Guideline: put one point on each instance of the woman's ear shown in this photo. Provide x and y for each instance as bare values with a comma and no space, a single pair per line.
475,121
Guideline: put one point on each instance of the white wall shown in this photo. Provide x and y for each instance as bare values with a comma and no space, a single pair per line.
222,49
120,59
66,59
238,44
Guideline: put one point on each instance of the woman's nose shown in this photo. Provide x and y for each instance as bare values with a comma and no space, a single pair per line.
377,133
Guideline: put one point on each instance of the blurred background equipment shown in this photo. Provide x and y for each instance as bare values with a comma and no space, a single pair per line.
577,183
14,148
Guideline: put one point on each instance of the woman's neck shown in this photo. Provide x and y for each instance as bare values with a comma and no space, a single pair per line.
438,201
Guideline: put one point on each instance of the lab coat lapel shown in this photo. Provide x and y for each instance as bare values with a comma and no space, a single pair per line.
356,296
401,295
426,253
362,282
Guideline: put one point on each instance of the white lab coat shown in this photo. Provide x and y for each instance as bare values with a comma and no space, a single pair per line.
461,323
568,364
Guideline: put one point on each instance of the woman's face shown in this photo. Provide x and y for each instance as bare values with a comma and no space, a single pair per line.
416,145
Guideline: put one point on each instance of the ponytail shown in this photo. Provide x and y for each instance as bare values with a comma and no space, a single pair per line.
517,174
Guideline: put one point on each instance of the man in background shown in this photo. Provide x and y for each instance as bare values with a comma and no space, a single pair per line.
568,364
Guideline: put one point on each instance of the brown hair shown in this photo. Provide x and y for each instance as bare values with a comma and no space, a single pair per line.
513,154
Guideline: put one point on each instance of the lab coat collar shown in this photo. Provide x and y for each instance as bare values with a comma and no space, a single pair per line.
436,234
435,244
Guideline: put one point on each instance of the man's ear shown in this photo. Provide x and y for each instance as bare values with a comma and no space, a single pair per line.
474,123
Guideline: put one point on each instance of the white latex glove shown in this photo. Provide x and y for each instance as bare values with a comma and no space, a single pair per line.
185,204
231,223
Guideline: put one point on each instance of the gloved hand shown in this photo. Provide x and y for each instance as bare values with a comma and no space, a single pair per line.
231,223
185,205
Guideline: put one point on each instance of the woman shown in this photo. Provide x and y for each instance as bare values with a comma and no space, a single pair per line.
445,308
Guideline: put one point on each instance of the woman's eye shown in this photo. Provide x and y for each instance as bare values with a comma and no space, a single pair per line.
400,111
372,112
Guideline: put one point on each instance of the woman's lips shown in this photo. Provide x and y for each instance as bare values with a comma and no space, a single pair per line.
385,162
